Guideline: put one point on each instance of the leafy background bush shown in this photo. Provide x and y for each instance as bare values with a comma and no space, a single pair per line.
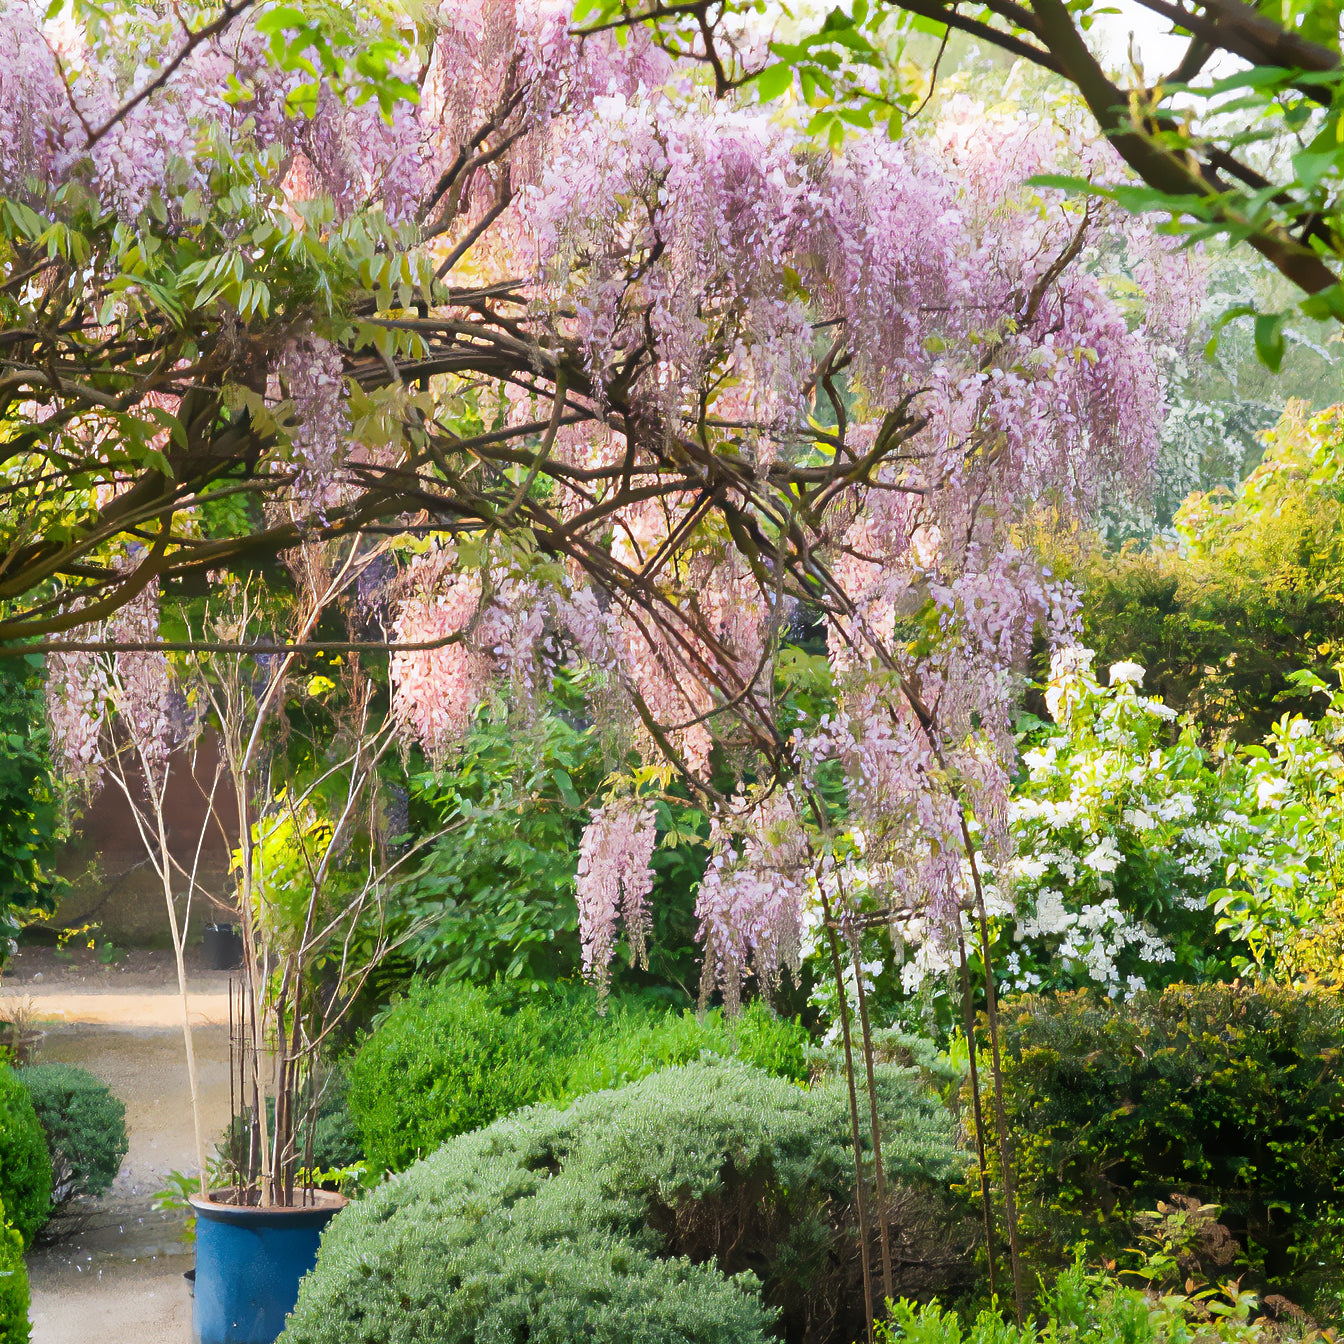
703,1203
85,1126
31,823
1232,1094
13,1285
335,1141
496,892
452,1057
25,1167
1285,883
1081,1306
1247,592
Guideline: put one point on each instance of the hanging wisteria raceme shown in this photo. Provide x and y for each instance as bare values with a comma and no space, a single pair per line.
661,374
311,373
613,884
437,689
750,905
139,688
76,709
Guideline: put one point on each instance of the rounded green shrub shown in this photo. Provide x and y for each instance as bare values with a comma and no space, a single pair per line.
1231,1095
706,1204
453,1057
85,1127
446,1060
13,1286
25,1167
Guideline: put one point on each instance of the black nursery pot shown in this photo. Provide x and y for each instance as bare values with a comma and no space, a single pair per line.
221,947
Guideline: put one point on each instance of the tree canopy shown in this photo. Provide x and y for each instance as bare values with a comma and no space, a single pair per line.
574,357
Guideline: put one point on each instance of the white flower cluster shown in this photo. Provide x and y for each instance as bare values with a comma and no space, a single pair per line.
1110,814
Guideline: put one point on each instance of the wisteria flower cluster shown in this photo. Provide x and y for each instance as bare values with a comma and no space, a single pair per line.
613,883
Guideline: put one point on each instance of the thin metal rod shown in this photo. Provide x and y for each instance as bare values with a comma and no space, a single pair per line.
986,1200
865,1255
879,1174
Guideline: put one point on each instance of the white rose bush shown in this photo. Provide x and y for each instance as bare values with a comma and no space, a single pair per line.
1126,832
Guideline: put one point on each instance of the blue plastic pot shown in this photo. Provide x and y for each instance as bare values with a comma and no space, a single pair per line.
248,1266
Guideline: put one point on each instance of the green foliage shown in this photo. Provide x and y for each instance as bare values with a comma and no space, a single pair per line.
30,813
1285,893
1232,1094
335,1142
1086,1307
14,1327
820,65
85,1127
700,1204
25,1167
497,891
1252,593
452,1057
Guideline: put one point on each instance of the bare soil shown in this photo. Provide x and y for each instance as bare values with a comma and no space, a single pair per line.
118,1278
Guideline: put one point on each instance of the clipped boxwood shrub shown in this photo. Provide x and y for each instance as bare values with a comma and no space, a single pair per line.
13,1285
25,1168
452,1057
1231,1094
85,1127
706,1204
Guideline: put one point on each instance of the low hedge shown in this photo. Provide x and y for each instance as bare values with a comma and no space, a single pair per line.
85,1127
706,1204
14,1296
452,1057
25,1167
1230,1094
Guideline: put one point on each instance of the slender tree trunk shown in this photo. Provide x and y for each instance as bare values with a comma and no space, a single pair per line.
179,935
855,1135
879,1175
977,1111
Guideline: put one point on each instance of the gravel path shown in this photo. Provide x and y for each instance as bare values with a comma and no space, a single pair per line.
118,1280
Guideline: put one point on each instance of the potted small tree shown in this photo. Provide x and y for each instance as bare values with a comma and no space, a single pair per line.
314,865
300,782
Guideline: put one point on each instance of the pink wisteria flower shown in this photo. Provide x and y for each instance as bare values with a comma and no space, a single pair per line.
613,884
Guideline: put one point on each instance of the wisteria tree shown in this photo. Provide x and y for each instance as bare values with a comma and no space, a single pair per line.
639,381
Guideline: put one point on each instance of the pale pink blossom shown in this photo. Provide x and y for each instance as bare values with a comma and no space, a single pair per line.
613,884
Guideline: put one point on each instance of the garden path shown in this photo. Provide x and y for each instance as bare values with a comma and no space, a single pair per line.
119,1280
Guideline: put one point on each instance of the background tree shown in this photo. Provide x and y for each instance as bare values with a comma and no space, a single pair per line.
31,814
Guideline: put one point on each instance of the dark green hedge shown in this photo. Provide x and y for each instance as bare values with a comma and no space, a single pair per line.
453,1057
1230,1093
707,1204
85,1127
25,1167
